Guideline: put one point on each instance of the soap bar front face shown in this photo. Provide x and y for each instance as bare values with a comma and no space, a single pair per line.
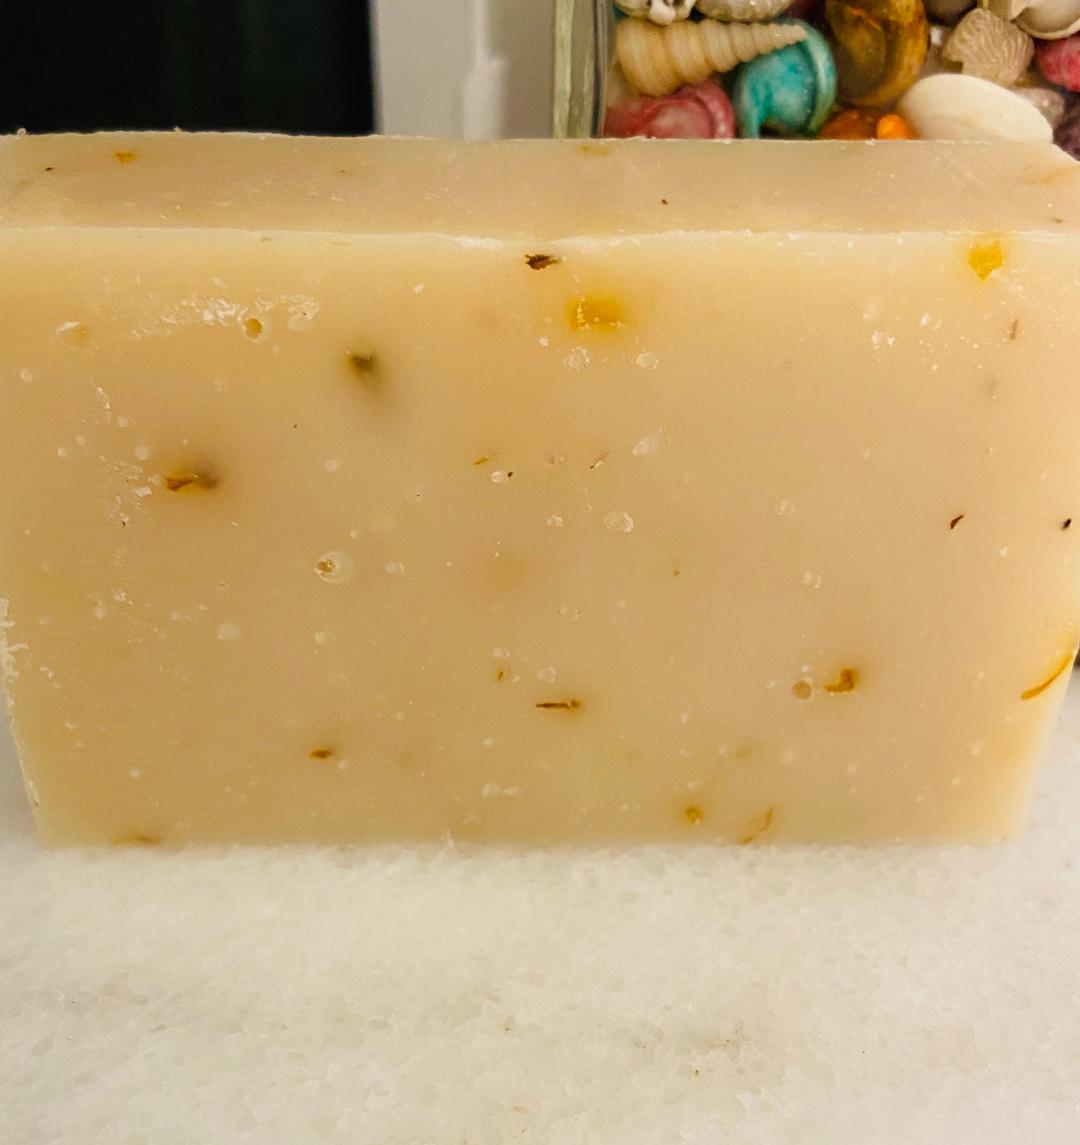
681,536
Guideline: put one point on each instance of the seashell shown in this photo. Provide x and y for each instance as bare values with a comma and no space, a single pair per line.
854,123
1059,62
744,11
858,123
701,111
881,46
1067,132
989,47
965,107
893,126
791,90
948,11
658,60
1043,19
1048,100
935,62
808,10
659,11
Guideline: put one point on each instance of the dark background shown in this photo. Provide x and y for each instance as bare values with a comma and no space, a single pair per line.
259,65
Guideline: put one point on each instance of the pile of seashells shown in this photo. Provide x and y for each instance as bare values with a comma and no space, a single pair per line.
847,69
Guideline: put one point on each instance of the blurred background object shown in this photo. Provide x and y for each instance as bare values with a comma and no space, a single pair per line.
478,68
262,65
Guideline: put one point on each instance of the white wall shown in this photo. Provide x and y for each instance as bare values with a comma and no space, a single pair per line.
473,68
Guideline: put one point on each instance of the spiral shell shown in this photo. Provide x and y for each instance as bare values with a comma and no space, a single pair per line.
990,48
700,111
965,107
659,11
743,11
881,46
1043,19
656,61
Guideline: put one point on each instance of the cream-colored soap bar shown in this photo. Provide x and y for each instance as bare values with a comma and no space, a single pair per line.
386,489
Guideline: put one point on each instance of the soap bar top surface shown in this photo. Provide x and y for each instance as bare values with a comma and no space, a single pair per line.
520,188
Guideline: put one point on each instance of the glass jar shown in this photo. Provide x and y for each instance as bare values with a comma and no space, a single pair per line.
819,69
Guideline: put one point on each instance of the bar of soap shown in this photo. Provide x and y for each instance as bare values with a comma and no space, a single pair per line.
536,492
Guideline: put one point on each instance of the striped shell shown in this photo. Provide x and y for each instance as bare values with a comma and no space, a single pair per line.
1043,19
967,108
743,11
989,47
659,11
656,61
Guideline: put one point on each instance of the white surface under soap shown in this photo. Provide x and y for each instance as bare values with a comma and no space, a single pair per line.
785,996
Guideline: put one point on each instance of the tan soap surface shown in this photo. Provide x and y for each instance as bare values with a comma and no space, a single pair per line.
385,489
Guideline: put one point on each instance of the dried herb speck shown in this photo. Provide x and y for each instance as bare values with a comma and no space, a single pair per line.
595,312
846,681
541,261
986,256
178,481
560,705
1038,689
1066,523
1014,329
956,520
362,363
320,753
759,826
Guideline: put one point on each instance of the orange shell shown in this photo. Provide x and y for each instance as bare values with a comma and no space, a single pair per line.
851,124
893,127
857,123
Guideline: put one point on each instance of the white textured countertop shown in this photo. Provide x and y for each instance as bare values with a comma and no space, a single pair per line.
817,997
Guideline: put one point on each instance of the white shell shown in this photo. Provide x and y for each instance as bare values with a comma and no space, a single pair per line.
744,11
1045,19
659,11
656,61
964,107
989,47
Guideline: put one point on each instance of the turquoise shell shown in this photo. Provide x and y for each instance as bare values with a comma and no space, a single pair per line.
791,91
